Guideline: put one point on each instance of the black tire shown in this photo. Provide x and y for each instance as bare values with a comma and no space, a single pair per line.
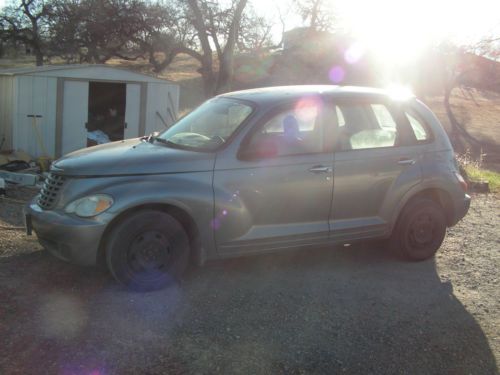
420,230
147,250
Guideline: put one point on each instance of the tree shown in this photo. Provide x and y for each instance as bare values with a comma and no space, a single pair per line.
255,32
26,22
216,24
166,31
209,31
468,68
319,14
95,30
488,46
206,30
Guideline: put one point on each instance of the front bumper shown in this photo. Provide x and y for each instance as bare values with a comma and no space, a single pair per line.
69,238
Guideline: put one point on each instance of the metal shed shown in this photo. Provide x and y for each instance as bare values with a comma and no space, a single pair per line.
50,110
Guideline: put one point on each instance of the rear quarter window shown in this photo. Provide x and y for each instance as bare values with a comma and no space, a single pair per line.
419,126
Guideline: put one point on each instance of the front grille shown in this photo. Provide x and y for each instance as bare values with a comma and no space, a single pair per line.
50,191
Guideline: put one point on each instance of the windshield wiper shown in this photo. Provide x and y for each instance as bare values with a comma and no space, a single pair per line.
153,138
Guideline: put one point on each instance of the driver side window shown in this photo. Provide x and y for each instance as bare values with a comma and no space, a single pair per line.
292,132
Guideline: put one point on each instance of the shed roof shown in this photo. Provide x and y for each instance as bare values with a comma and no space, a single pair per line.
82,71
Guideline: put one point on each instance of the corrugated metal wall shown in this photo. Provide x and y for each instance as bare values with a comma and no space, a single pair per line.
6,111
158,100
35,96
74,115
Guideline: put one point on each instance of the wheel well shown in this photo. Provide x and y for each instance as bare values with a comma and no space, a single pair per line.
179,214
442,198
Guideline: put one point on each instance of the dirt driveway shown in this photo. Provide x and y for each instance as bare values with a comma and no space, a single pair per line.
349,310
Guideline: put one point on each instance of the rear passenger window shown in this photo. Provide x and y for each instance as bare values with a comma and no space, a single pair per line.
418,127
384,117
366,126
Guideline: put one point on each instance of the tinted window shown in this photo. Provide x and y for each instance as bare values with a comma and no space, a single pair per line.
365,126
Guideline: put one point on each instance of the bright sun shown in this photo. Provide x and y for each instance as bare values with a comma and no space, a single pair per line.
398,30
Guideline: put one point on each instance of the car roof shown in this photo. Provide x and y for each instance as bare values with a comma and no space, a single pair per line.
277,94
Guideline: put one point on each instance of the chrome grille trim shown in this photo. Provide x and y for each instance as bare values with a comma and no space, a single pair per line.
50,191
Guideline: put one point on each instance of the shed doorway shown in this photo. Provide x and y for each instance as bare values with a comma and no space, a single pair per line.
86,116
106,112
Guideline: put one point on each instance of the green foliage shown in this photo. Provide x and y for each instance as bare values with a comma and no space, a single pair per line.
476,172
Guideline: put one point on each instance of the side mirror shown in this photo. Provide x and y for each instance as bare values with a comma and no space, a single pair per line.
262,149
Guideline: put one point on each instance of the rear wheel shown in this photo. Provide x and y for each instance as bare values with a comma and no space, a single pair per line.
147,250
420,230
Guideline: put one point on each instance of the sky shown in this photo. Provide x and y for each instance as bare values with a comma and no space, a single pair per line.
401,28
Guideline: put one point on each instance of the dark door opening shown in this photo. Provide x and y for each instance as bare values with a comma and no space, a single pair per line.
106,118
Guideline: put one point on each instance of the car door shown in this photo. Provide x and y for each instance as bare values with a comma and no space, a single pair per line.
280,197
375,164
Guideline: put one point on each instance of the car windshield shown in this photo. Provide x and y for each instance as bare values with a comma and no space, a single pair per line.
208,126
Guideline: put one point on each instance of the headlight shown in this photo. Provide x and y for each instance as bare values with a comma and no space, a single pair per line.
90,206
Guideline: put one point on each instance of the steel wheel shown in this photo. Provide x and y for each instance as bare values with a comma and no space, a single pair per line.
148,250
420,230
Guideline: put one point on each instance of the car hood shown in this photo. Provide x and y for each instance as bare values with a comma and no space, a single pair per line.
132,157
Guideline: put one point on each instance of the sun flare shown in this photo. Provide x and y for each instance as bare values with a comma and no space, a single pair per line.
398,30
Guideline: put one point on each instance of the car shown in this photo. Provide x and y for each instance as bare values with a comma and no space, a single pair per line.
251,172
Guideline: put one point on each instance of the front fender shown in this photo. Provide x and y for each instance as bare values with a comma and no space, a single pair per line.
190,192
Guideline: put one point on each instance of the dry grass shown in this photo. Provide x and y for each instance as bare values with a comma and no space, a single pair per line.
16,62
480,113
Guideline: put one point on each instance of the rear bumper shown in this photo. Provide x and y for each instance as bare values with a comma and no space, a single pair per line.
68,238
461,209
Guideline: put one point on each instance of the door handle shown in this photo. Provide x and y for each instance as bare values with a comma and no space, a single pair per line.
406,162
320,169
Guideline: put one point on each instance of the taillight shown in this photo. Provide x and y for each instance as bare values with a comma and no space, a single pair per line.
462,182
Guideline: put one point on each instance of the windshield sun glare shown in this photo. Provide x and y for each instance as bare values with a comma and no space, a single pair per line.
208,126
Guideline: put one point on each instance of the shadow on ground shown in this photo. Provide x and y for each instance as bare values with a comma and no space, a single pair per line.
350,310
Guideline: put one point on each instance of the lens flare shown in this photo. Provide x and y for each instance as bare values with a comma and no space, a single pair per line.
307,109
399,92
354,53
336,74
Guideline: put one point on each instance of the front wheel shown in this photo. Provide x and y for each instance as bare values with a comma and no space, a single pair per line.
420,230
147,250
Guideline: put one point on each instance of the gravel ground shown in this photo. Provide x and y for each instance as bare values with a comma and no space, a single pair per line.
352,310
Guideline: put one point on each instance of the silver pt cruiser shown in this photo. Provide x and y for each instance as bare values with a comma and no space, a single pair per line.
255,171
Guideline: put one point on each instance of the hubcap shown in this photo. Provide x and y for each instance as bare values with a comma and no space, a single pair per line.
149,251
